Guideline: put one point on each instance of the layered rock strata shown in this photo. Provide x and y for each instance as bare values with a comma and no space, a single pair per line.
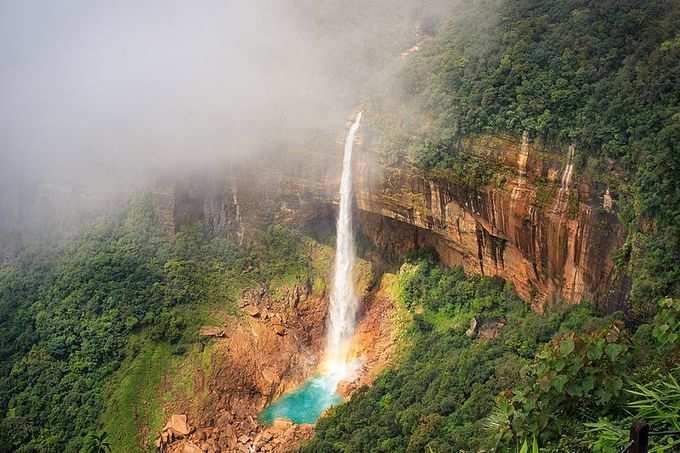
537,224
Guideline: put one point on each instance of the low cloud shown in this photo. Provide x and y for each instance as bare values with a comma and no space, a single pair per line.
99,98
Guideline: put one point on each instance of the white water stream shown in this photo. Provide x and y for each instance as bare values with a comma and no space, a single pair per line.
565,184
343,299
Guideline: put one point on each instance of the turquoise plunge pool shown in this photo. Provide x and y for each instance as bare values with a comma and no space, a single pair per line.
305,404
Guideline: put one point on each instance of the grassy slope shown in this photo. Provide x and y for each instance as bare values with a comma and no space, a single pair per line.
135,400
135,409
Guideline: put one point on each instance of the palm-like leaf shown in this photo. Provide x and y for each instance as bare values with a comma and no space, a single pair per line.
99,443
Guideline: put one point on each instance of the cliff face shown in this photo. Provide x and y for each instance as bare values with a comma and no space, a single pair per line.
534,226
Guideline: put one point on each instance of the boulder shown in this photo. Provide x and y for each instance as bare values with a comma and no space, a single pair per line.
472,330
490,330
251,310
177,425
281,425
190,447
244,439
211,331
263,438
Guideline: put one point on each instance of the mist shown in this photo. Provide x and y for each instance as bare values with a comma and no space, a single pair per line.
99,99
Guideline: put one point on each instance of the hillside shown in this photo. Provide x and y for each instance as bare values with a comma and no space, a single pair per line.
602,76
516,202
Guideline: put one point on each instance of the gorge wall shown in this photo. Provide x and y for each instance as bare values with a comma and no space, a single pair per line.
535,226
539,225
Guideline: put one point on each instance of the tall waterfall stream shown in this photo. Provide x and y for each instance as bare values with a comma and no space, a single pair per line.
317,394
343,303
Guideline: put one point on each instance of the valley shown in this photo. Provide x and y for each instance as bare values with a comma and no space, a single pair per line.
340,227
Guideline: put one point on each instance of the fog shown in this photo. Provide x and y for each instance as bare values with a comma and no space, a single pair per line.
99,98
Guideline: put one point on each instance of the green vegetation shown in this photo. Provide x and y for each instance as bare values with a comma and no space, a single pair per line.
89,328
523,376
134,402
98,320
602,75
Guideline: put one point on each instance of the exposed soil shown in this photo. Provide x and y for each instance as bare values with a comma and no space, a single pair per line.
271,349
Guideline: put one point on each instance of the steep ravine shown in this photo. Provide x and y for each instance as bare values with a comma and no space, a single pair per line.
539,225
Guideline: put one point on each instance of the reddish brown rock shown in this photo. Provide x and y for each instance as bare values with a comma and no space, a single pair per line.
177,425
278,327
539,224
345,388
551,240
211,331
190,447
251,310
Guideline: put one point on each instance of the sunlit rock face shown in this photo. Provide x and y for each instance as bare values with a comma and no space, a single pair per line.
538,225
534,227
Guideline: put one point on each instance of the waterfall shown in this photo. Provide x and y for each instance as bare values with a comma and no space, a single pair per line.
343,298
565,184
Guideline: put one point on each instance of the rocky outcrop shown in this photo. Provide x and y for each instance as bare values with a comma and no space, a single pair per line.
538,225
176,428
211,331
533,227
254,362
251,364
282,436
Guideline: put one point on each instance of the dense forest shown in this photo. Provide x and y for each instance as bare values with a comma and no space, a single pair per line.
602,75
89,323
73,314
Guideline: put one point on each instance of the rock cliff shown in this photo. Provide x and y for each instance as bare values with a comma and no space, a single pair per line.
538,225
534,226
